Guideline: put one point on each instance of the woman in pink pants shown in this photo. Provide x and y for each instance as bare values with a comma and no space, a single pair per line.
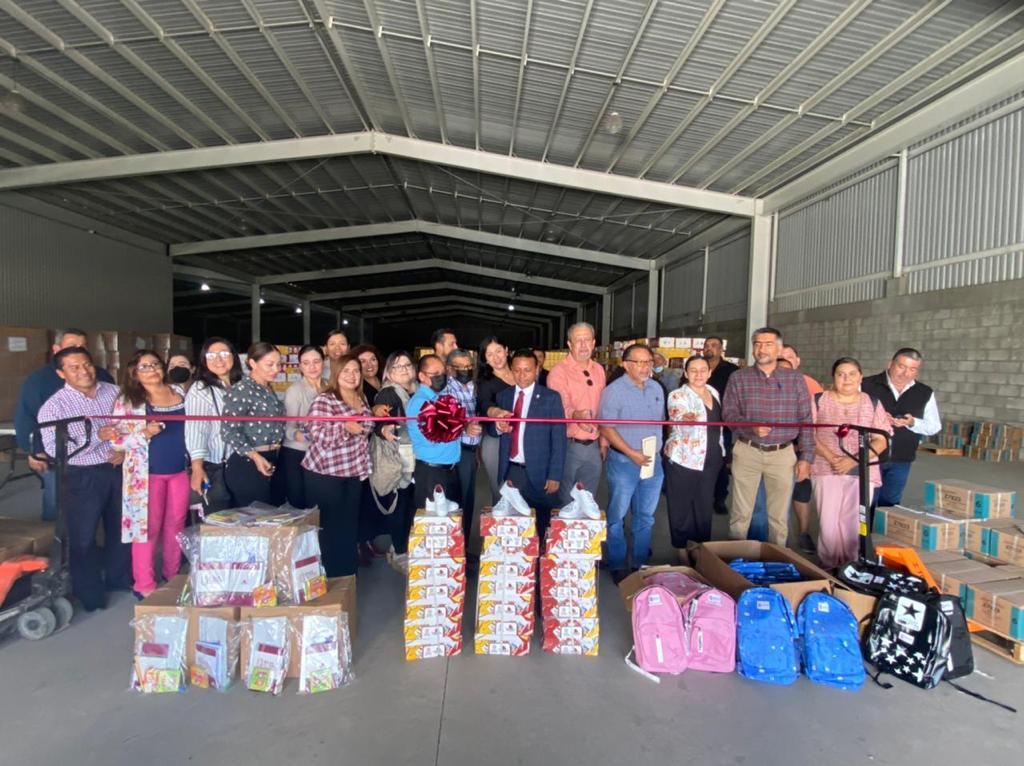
834,474
155,493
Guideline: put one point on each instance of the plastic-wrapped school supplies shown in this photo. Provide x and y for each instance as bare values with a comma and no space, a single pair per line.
436,590
269,642
254,565
159,661
214,652
568,577
766,572
325,652
508,577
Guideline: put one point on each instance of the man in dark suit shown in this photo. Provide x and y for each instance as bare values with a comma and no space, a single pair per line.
532,455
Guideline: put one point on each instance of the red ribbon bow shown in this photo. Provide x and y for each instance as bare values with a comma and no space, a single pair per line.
442,420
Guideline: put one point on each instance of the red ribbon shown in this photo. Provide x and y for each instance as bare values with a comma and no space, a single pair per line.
442,420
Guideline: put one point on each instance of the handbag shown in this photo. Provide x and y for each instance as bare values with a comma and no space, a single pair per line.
387,473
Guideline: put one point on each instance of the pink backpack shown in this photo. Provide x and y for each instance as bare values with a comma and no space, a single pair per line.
659,634
711,626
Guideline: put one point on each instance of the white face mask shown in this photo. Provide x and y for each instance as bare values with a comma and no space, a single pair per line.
659,370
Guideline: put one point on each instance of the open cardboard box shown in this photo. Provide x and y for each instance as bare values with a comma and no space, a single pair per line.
712,561
632,584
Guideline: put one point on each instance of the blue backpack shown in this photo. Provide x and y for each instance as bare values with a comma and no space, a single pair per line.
766,637
831,647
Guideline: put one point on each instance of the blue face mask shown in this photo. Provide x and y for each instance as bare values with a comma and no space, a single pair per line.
658,370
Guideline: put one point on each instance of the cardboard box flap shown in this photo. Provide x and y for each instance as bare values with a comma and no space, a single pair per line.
632,584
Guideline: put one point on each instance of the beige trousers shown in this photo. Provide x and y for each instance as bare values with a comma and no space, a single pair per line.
749,466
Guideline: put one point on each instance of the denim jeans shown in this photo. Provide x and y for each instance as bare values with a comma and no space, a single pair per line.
759,520
894,480
50,495
626,491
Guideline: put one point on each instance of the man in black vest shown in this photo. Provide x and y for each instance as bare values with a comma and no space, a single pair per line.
913,413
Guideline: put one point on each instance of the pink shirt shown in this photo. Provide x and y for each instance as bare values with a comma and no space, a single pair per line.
580,389
859,413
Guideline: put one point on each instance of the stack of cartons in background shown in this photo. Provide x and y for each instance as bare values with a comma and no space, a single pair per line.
168,344
436,592
965,500
954,435
22,537
23,350
927,531
568,585
508,579
996,442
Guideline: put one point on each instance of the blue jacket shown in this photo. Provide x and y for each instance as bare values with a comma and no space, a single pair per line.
543,443
446,453
37,388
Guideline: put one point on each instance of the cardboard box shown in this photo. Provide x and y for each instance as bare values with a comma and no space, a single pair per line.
12,546
447,546
1007,543
711,561
998,605
429,524
953,578
979,535
966,500
339,599
23,350
507,526
504,547
40,532
927,531
632,584
164,601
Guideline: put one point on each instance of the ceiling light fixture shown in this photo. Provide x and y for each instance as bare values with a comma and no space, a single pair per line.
511,307
204,287
613,123
344,321
262,301
298,309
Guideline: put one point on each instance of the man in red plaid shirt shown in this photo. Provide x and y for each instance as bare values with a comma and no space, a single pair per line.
767,393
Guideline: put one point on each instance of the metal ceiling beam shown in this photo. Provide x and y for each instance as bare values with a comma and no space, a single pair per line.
995,84
407,227
567,80
352,295
430,263
310,147
452,300
473,311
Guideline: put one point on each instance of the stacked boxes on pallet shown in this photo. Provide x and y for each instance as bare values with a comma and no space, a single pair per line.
508,578
436,593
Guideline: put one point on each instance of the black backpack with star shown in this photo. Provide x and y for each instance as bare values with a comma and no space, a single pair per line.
910,638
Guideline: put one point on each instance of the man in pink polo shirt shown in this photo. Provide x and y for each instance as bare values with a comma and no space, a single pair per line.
580,380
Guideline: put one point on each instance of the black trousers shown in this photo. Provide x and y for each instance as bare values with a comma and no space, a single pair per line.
427,477
538,499
288,482
399,521
690,499
338,500
93,494
724,473
466,471
246,484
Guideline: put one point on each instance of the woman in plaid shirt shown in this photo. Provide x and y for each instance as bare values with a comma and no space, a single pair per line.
337,463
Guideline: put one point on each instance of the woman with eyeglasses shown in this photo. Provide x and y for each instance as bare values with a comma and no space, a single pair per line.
219,369
494,377
288,478
372,526
694,456
254,444
399,383
155,490
337,464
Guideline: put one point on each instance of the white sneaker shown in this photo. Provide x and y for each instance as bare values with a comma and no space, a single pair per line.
439,504
511,502
585,502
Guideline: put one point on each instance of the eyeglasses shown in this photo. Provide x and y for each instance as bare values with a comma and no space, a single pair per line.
586,374
154,367
401,367
462,369
642,363
214,355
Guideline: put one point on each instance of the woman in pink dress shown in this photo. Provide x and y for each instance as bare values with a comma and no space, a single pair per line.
834,474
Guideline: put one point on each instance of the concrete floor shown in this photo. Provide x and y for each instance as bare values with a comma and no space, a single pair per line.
65,699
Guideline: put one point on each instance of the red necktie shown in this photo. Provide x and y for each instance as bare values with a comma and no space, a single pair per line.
517,412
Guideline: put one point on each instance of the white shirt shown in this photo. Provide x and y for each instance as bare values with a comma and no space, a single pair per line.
527,396
927,424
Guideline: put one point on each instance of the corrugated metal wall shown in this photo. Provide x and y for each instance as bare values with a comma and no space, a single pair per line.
848,234
640,307
681,292
622,310
965,208
728,269
55,275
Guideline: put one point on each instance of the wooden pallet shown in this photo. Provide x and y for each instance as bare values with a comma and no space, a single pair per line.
1008,648
935,449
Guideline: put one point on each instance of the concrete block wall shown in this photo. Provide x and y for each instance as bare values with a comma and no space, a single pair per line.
972,339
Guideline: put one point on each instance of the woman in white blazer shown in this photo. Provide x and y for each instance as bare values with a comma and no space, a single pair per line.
693,455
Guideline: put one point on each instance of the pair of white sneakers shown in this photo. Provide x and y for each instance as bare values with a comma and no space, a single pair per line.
583,505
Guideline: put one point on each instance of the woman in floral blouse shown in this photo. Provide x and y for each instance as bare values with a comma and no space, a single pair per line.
337,464
155,490
694,456
254,444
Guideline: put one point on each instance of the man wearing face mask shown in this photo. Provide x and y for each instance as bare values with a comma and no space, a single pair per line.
461,386
436,464
667,376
